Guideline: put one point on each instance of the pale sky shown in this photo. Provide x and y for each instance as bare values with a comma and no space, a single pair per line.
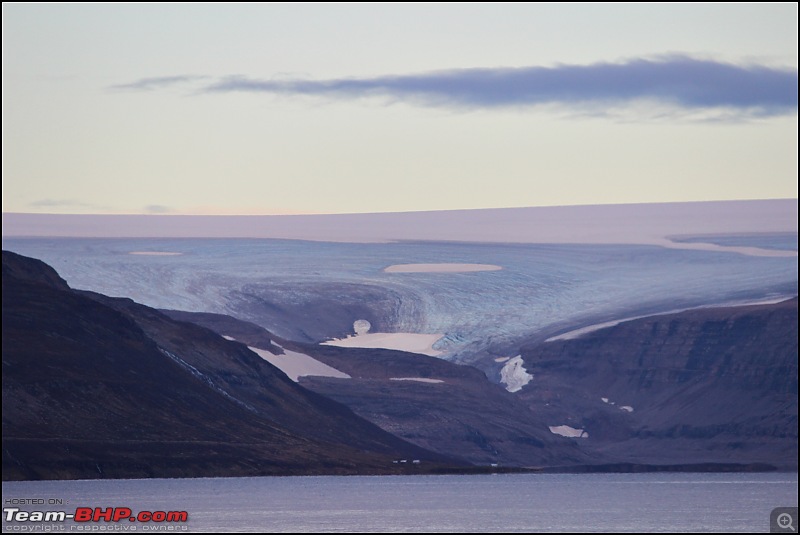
320,108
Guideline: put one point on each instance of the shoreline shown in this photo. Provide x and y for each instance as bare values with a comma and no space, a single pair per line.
409,469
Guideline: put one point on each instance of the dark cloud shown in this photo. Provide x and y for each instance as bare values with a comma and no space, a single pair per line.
160,82
676,81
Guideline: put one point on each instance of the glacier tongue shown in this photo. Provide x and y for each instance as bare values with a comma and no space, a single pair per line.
543,289
514,375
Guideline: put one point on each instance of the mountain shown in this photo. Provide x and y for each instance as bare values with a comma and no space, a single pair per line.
444,407
715,385
95,386
103,387
706,389
441,406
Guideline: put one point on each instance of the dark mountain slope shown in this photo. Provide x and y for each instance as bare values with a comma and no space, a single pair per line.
464,415
92,390
257,385
716,385
708,385
26,269
243,331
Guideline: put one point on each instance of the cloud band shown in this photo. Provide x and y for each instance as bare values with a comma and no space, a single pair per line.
679,81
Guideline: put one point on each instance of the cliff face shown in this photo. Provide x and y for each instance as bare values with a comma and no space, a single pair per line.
100,387
710,385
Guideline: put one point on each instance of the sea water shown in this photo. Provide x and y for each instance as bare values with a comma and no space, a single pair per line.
668,502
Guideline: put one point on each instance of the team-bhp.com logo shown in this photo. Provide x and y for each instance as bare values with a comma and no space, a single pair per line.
85,516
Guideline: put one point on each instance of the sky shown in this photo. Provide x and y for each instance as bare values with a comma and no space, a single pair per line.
350,108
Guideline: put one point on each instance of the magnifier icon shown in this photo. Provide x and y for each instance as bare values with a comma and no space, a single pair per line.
785,521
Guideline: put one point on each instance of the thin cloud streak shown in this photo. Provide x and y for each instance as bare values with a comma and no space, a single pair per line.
65,203
159,82
676,81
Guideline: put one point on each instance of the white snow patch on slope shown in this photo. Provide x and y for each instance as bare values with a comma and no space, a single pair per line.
577,333
296,365
514,375
567,431
418,379
411,342
626,408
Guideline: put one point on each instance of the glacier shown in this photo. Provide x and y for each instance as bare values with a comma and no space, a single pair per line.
315,291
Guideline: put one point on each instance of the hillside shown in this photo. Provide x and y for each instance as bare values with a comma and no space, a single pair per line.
98,387
713,387
95,386
706,385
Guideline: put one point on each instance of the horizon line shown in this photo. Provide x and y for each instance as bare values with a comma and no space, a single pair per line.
642,223
311,214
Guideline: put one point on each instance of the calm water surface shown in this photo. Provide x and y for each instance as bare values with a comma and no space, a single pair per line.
490,503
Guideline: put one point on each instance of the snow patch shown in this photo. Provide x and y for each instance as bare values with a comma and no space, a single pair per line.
411,342
501,359
514,375
567,431
418,379
577,333
296,365
626,408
